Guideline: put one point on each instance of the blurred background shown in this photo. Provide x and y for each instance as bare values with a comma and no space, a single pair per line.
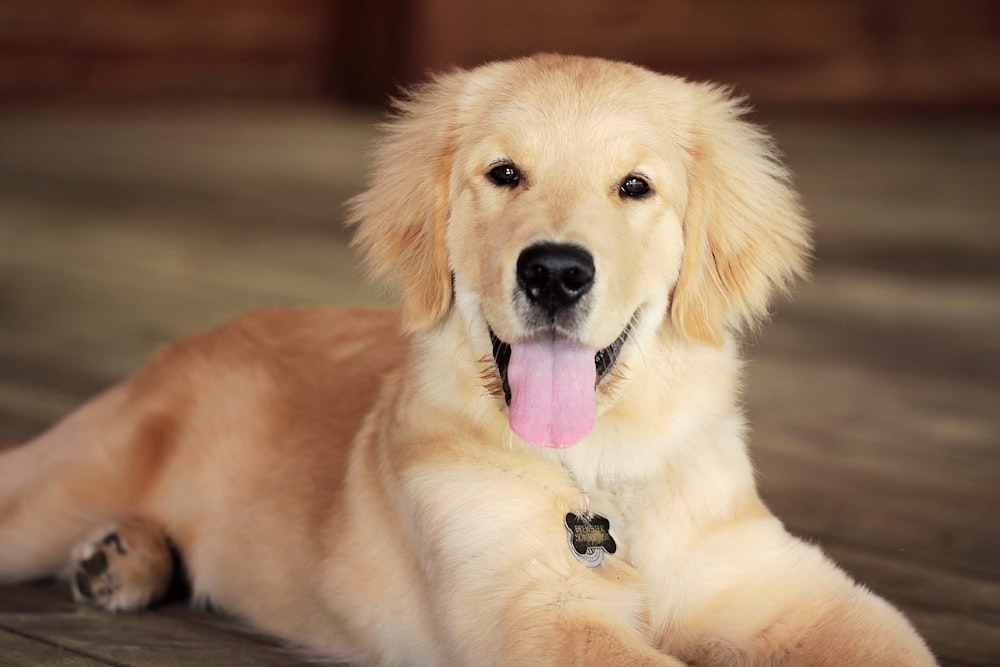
884,53
167,164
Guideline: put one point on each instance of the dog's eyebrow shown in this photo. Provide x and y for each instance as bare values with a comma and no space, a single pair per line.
639,171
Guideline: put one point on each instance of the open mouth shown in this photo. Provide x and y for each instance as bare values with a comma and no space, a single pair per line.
550,385
604,359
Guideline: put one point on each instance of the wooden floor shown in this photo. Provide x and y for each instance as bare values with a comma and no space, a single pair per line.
874,394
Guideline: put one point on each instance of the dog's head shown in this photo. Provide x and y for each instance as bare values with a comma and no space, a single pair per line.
565,206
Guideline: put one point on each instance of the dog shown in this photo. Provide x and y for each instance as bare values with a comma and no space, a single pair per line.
538,459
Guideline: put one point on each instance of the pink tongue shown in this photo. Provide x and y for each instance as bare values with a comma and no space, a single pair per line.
552,380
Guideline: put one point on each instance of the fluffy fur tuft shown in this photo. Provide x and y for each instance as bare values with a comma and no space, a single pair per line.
402,236
746,234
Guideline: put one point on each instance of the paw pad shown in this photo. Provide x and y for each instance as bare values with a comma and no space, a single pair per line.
123,567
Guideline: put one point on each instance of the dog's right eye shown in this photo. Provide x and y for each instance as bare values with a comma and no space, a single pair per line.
505,175
634,187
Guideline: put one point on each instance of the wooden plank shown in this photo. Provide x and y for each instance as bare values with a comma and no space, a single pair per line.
169,636
19,651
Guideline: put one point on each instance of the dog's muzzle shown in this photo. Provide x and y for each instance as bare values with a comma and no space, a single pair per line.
549,377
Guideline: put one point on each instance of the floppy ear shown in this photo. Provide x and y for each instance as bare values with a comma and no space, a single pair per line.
400,217
745,232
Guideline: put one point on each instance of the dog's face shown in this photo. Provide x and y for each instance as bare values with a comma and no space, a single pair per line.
564,216
564,236
569,208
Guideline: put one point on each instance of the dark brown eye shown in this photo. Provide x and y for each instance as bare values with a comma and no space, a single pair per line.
633,186
505,175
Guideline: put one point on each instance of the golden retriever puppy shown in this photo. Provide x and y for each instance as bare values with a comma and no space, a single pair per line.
539,459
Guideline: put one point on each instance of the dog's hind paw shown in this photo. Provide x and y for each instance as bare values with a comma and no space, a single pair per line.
125,566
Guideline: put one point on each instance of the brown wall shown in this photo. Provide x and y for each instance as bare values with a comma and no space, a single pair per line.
127,49
781,52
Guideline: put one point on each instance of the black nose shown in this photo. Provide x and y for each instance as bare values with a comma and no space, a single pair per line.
555,275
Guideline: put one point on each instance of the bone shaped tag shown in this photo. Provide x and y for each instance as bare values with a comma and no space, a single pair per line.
590,537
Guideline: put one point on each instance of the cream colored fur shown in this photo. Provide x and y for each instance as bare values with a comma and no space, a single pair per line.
361,494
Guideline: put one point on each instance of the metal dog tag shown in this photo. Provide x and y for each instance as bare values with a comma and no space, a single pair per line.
590,537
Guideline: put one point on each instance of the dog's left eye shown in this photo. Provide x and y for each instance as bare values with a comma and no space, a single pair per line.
633,186
504,174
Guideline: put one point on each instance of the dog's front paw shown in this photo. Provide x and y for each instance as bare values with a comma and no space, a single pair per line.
125,566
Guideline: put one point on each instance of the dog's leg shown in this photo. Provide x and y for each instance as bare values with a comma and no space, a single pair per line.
508,589
93,467
588,646
583,642
782,602
123,566
860,628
